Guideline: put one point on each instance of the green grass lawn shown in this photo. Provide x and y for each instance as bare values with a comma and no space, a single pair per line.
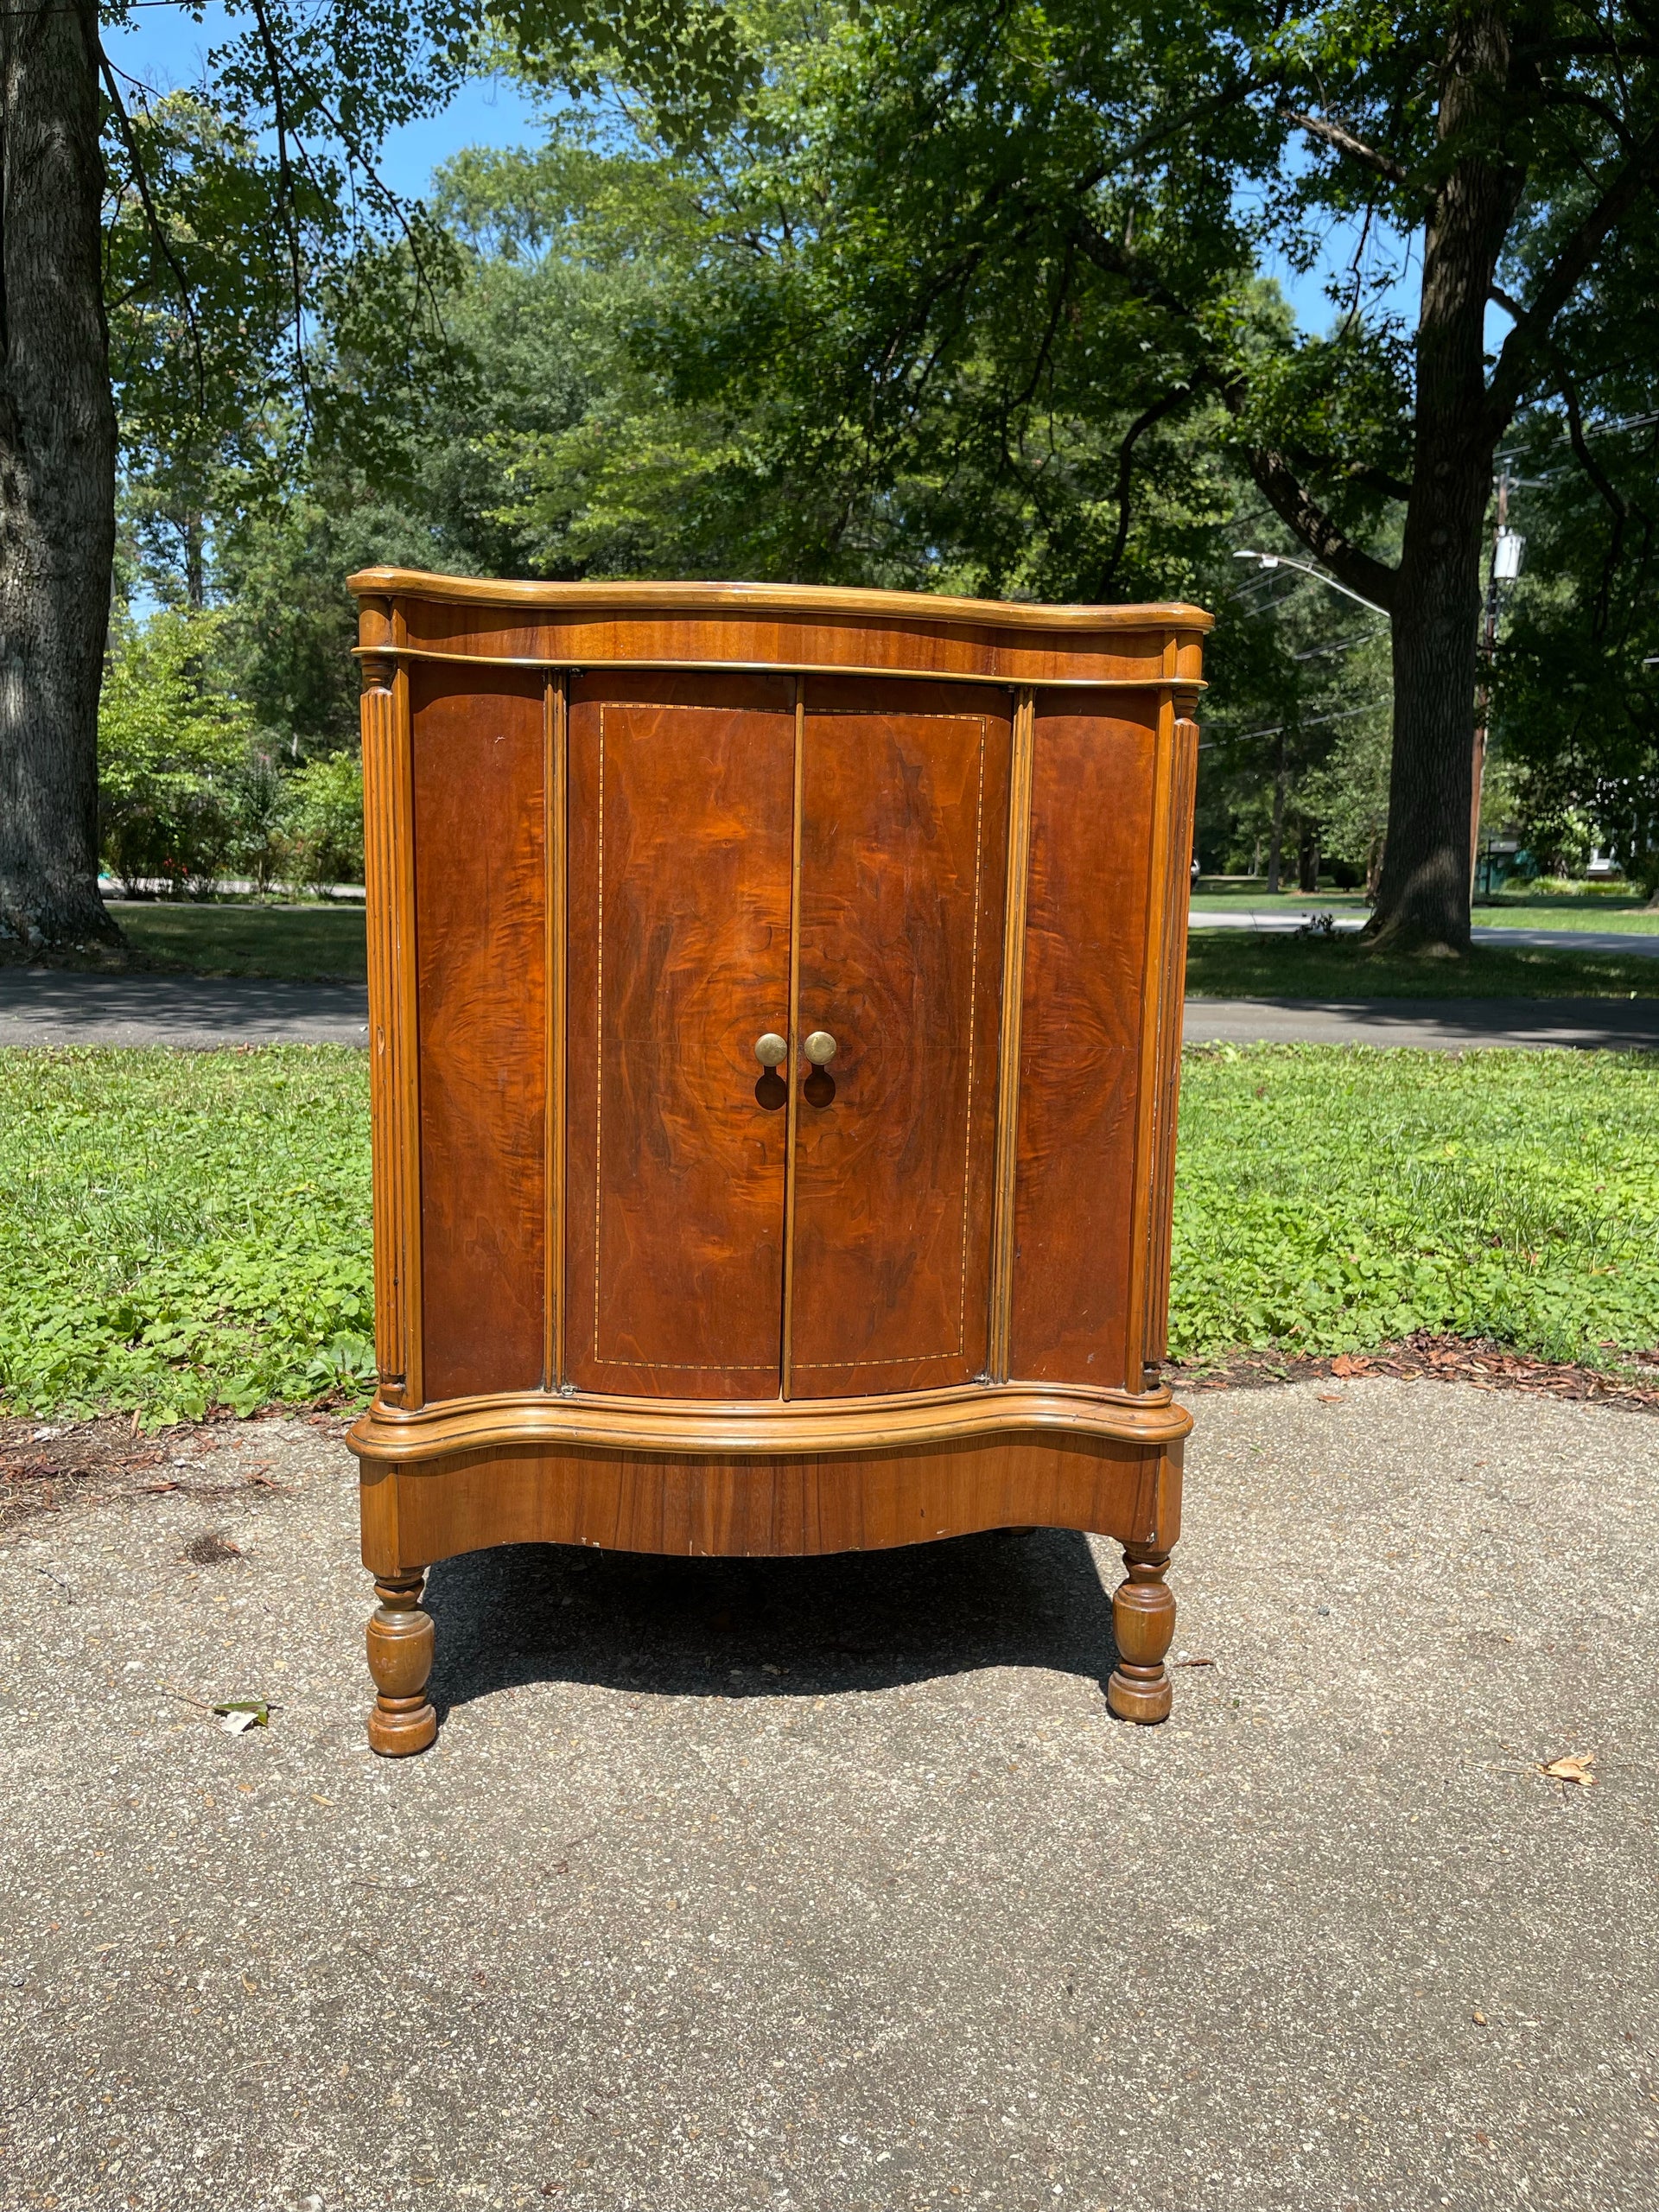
220,938
1242,964
180,1229
1626,918
1625,913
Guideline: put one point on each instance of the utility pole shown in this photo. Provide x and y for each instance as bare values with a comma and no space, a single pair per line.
1504,567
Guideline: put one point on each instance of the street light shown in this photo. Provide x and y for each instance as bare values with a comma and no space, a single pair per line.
1283,561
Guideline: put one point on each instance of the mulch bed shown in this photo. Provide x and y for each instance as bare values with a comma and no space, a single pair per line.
46,1467
1633,1386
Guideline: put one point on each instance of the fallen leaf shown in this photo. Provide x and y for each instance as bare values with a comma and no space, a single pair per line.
1329,1397
155,1490
1479,2019
1572,1770
242,1713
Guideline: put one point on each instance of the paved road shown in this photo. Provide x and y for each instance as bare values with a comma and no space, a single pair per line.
833,1885
1277,922
63,1008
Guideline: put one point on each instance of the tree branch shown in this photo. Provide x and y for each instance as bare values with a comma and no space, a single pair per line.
162,244
1371,473
1611,499
1344,142
1155,413
1530,335
1348,564
290,210
1112,260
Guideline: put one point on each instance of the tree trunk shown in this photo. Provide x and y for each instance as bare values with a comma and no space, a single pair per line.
57,472
1422,899
1276,845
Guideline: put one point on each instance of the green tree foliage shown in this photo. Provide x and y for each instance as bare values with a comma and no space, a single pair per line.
927,296
172,743
966,273
1577,707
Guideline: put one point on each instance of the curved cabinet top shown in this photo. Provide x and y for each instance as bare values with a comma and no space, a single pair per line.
404,613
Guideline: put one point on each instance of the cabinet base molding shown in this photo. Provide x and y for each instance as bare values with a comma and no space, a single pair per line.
760,1506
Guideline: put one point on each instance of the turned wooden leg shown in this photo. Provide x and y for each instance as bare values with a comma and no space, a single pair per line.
1143,1622
400,1659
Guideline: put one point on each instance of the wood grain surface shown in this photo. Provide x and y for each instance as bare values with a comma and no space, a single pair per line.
680,810
1092,777
903,876
479,761
709,1506
792,628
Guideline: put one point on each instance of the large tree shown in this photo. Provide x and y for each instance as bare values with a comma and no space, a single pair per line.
997,239
57,469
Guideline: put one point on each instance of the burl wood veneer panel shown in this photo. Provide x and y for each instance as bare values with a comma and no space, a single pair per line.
903,878
1092,777
681,830
479,778
801,1505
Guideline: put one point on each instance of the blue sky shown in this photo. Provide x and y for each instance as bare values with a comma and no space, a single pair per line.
165,47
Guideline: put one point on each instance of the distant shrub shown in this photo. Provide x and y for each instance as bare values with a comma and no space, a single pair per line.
322,821
171,739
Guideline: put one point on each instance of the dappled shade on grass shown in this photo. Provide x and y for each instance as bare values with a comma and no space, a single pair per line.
183,1229
1244,964
302,944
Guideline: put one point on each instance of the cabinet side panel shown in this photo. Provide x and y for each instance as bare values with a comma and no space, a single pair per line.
479,767
1171,1007
1092,780
394,1117
681,814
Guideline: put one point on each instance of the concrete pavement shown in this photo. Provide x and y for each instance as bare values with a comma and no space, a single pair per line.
1434,1025
833,1885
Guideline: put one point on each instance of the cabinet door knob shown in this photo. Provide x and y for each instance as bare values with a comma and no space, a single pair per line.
770,1050
820,1048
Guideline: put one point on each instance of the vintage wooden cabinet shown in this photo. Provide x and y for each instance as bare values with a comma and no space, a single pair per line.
776,1013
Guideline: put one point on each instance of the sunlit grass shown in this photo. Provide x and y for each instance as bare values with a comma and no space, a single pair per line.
182,1230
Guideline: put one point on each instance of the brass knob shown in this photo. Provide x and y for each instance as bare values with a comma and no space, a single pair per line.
770,1050
820,1048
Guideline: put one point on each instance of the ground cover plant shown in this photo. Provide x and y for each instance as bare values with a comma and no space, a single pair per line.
1334,1199
180,1230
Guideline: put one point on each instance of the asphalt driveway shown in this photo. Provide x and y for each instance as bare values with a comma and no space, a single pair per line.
834,1884
200,1013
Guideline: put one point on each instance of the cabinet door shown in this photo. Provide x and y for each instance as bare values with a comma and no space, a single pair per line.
903,883
681,825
